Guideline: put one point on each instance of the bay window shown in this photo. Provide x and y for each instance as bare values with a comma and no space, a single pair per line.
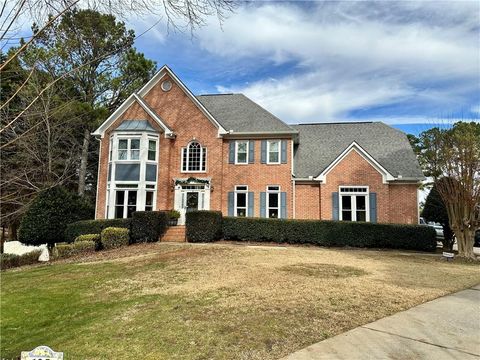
129,149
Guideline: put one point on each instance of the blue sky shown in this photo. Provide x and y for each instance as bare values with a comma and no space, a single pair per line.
409,64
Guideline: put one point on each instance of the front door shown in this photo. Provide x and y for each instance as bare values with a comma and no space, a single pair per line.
192,201
191,197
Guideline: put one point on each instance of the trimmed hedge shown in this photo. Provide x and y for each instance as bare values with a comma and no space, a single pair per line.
84,246
114,237
203,226
95,238
331,233
148,226
93,227
8,261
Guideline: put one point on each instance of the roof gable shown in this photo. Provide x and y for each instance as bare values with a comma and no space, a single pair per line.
134,98
320,144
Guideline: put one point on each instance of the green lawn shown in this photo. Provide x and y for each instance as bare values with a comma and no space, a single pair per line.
163,301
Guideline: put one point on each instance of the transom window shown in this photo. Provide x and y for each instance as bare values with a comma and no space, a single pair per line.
194,158
354,203
241,152
128,149
273,201
273,152
241,200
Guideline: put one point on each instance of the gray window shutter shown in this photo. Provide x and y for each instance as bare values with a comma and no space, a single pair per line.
335,208
231,152
264,151
373,207
263,204
284,151
231,203
283,205
251,203
251,151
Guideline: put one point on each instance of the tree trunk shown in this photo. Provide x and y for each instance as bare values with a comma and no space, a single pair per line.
12,231
465,241
2,240
447,238
82,174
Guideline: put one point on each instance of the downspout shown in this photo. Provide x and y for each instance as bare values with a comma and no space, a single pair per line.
294,200
98,174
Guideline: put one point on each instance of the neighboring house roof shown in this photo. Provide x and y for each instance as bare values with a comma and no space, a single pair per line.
135,125
238,113
321,144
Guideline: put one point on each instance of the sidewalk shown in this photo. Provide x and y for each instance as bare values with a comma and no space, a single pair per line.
445,328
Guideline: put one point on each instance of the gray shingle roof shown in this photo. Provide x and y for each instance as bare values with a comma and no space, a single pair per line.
238,113
135,125
320,144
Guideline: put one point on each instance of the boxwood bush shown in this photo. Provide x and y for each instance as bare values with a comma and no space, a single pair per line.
93,227
65,250
203,226
331,233
95,238
112,237
148,226
8,261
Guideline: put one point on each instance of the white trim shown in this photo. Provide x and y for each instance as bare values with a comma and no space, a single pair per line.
353,196
236,192
386,176
247,152
267,201
166,70
100,131
279,152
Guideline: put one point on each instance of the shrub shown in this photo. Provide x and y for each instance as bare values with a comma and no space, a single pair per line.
84,246
93,227
148,226
331,233
63,250
203,226
49,214
114,237
8,261
95,238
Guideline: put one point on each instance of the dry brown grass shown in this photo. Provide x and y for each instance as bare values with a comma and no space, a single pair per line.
257,302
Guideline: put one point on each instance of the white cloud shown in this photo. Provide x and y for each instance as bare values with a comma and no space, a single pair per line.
352,55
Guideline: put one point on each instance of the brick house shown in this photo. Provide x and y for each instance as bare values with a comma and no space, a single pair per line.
165,148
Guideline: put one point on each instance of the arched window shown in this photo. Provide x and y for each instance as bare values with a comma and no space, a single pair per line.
194,158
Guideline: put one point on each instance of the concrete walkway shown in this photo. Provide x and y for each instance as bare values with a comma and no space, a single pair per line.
445,328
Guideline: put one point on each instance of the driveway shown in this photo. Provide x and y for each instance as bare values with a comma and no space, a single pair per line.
445,328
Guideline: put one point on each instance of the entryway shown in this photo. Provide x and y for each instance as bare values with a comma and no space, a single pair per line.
190,197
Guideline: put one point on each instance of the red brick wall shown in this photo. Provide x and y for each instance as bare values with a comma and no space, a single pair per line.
403,204
307,201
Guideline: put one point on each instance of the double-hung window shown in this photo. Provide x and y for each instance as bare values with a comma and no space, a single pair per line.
273,202
354,203
194,158
152,150
129,149
273,152
241,152
241,200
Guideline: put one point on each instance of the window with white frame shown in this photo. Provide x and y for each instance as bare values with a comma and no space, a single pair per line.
241,152
273,152
241,200
152,150
194,158
125,200
128,149
273,201
354,203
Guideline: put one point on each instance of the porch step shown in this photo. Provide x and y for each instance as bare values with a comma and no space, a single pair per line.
174,234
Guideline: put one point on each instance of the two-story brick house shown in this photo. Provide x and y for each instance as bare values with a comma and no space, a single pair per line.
165,148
